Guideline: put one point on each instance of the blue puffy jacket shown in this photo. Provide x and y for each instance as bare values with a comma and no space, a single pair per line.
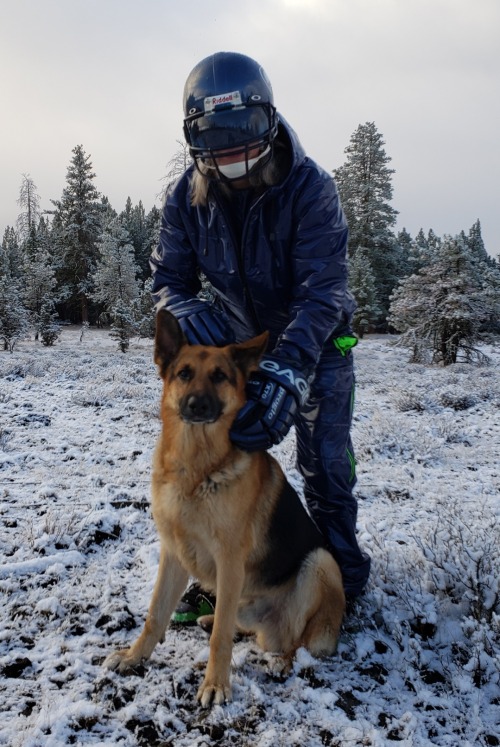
288,274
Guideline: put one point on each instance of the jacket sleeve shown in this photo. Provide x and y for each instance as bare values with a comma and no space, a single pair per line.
174,263
321,305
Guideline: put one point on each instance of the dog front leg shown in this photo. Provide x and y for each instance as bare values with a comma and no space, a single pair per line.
170,583
216,686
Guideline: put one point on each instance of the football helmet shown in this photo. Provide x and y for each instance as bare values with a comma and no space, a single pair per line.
229,110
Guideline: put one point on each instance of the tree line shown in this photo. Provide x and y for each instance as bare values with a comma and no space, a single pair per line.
442,294
82,262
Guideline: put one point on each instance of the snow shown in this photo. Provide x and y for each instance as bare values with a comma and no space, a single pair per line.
419,657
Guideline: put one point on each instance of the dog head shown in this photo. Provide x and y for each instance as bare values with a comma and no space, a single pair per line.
203,383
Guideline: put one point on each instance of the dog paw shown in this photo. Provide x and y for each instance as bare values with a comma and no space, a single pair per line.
211,693
122,661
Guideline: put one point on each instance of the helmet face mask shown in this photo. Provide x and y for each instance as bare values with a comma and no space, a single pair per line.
228,106
245,132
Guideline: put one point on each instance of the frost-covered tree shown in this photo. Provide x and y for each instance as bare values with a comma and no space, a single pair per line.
108,213
474,241
490,270
48,325
145,311
404,254
134,220
115,281
39,285
440,309
421,250
77,227
29,217
115,276
123,324
10,254
152,231
365,188
39,273
422,243
177,165
362,286
13,315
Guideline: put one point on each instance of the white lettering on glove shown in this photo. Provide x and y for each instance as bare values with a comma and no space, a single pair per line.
295,380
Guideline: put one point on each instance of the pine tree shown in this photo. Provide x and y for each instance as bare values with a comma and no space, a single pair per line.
108,213
10,254
145,312
49,327
123,324
422,251
115,283
440,309
77,228
362,286
133,219
422,243
405,249
490,271
365,188
13,315
152,237
39,288
474,241
28,219
39,272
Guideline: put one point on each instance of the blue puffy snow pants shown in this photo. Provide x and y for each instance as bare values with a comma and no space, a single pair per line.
325,459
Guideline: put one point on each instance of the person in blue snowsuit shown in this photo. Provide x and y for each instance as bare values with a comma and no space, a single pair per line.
263,224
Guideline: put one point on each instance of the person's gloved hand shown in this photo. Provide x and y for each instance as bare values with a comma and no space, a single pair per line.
274,393
201,324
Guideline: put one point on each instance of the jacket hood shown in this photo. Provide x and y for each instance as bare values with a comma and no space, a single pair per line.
287,135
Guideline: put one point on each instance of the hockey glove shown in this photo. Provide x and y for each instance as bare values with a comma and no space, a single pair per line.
274,393
201,323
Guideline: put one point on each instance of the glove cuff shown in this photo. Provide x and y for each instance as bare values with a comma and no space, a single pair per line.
201,323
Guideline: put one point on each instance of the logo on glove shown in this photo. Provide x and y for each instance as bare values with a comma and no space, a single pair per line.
298,382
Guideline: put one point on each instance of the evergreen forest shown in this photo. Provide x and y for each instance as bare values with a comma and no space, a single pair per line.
82,262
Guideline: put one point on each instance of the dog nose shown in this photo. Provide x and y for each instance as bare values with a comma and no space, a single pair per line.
200,409
198,406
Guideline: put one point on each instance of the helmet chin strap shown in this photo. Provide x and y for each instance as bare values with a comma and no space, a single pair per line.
240,169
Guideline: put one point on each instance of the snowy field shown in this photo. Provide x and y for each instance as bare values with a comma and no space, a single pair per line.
419,658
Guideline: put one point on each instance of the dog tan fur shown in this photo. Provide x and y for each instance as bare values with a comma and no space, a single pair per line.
230,519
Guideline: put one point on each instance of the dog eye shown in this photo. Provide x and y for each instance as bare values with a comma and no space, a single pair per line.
185,374
217,376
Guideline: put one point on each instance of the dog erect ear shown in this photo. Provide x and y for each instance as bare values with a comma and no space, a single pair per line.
169,339
247,354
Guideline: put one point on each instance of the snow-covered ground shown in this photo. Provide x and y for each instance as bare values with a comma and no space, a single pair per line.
419,658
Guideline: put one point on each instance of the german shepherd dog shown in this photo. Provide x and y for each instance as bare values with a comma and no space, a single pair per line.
230,519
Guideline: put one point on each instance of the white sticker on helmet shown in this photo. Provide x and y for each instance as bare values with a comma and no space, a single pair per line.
224,99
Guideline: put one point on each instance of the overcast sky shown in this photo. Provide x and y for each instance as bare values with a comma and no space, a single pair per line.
109,75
